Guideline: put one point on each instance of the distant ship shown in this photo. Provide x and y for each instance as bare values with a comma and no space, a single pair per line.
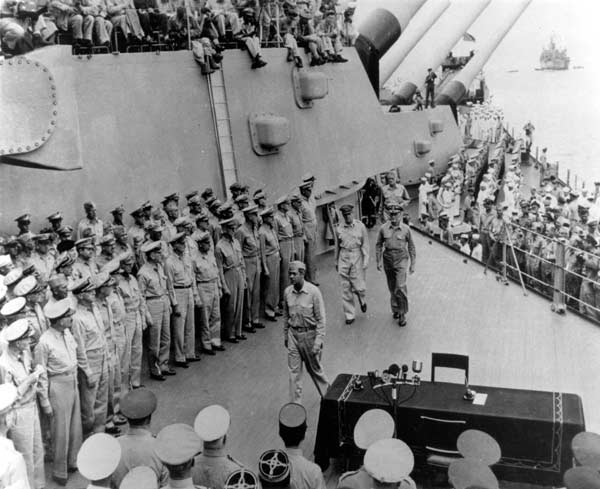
553,57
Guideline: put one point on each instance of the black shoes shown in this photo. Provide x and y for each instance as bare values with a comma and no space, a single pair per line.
206,351
232,340
180,364
248,329
258,325
349,321
241,337
170,371
218,348
363,306
194,359
160,377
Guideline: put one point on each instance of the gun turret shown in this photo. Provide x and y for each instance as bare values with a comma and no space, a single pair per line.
418,26
504,18
434,46
379,30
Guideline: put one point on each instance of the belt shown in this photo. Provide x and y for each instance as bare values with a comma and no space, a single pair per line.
65,374
154,297
182,286
132,309
303,329
350,249
285,238
210,280
247,257
272,253
299,235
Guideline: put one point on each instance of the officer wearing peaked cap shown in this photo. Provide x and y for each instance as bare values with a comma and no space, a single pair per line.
140,477
468,473
352,260
90,221
138,446
23,223
395,254
249,239
214,465
292,430
372,426
177,444
582,478
98,458
59,396
85,266
209,285
387,464
16,367
308,211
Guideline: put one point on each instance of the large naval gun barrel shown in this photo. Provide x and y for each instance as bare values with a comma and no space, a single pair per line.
418,26
380,29
504,19
434,46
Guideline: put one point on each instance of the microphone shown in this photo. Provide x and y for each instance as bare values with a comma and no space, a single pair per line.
394,370
404,370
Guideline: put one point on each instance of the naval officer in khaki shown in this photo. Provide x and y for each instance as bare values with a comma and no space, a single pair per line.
396,253
177,444
351,261
214,465
98,459
387,464
57,353
304,331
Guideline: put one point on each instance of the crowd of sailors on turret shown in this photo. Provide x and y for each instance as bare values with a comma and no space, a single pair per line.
321,27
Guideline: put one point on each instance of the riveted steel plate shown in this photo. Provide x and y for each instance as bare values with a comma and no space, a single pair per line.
29,105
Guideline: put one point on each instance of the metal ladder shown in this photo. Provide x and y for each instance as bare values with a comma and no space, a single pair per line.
222,123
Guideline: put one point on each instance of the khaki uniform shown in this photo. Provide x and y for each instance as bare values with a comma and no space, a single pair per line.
270,245
353,243
184,295
156,289
309,221
359,479
304,324
92,360
208,283
26,432
137,448
212,468
44,265
249,239
298,232
285,235
83,269
57,352
135,317
230,260
305,474
397,247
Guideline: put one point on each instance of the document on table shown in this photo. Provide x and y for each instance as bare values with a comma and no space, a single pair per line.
480,399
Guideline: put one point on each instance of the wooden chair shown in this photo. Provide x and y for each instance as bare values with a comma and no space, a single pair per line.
450,360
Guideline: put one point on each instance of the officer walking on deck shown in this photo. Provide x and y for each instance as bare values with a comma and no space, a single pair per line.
395,249
351,261
304,331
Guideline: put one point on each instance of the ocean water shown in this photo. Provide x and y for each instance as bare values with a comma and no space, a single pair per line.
564,106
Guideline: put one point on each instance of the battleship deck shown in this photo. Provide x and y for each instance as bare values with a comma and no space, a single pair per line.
512,341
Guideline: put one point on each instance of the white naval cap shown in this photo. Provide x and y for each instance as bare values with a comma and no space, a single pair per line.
212,422
98,457
13,306
373,425
140,477
389,460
